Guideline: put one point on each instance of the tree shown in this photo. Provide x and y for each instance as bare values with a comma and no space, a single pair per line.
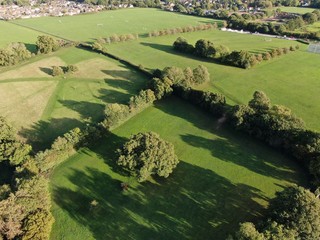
162,87
201,74
260,102
146,154
11,149
204,48
298,209
46,44
175,74
57,71
37,226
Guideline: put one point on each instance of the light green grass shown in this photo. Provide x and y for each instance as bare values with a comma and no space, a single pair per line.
13,33
315,27
223,178
91,26
291,80
43,107
299,10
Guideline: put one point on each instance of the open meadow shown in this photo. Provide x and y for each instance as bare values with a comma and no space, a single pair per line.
12,33
291,80
89,27
223,178
43,107
299,10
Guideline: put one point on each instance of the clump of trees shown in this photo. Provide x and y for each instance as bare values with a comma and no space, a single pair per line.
146,154
11,149
114,38
242,22
58,70
293,214
173,31
116,113
13,54
243,59
46,44
186,77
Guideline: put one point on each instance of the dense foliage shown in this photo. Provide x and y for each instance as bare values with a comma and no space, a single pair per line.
146,154
243,59
11,149
47,44
293,214
13,54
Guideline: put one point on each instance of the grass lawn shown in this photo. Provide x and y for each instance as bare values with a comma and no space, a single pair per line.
291,80
88,27
47,106
12,33
223,178
299,10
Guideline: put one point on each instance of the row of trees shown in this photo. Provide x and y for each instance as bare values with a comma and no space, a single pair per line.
279,127
241,22
178,30
243,59
115,38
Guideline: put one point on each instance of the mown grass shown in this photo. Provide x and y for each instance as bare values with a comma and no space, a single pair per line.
299,10
290,80
43,107
223,178
13,33
91,26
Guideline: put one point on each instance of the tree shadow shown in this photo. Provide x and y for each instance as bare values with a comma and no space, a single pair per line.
232,146
169,49
127,85
111,96
42,134
106,150
85,109
232,151
193,203
6,172
46,70
31,47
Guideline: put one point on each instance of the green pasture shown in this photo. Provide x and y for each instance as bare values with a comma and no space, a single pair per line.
291,80
223,178
88,27
299,10
12,33
43,107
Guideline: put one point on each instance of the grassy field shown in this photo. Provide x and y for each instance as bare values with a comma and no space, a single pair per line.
290,80
299,10
43,107
223,178
91,26
13,33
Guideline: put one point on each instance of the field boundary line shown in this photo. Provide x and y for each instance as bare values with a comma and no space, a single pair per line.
40,31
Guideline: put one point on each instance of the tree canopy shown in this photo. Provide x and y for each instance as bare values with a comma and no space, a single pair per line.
146,154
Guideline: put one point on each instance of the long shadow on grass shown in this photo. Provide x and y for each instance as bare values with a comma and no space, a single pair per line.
41,134
129,86
193,203
232,146
169,49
